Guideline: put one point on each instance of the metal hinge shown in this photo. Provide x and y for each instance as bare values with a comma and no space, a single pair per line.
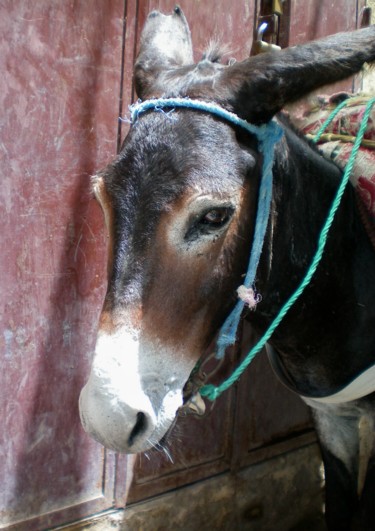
268,26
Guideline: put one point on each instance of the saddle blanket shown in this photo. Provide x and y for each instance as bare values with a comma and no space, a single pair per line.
336,143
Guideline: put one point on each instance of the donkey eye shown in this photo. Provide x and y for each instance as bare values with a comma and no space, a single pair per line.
209,223
217,217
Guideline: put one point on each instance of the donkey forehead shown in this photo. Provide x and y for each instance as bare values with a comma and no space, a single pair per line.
167,157
169,174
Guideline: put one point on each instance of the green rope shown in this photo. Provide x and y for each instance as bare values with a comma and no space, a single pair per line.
212,392
330,118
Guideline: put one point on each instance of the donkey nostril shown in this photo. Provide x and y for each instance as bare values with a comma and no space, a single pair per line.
139,427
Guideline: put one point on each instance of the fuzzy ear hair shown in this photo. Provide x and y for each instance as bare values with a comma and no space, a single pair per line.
260,86
165,45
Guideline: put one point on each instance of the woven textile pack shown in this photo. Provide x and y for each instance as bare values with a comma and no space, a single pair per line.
336,145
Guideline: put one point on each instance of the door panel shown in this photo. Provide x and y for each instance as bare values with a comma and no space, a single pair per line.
198,448
266,418
313,19
230,23
60,65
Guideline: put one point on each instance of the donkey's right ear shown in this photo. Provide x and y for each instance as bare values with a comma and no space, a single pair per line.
165,45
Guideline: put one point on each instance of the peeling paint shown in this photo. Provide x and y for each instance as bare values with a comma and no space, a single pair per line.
8,338
67,333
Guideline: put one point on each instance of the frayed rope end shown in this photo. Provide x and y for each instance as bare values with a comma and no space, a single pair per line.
249,297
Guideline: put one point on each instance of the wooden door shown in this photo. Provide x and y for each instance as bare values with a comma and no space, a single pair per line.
66,75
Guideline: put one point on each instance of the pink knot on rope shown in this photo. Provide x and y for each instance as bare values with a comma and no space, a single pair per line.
248,296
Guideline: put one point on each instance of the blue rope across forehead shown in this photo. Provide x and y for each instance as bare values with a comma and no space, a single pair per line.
267,135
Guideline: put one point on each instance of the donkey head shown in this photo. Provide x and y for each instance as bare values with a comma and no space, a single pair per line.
179,204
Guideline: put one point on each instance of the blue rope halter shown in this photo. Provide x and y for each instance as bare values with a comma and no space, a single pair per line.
210,391
267,135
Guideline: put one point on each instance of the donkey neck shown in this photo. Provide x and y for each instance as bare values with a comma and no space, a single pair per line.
318,326
304,186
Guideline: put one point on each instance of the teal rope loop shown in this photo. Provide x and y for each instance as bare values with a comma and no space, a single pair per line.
212,392
330,118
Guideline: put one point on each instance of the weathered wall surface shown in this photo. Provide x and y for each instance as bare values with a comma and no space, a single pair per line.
60,66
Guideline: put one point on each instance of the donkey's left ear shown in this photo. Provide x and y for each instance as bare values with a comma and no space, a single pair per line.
165,44
260,86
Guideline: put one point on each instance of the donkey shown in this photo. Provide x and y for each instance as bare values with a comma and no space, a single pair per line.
180,203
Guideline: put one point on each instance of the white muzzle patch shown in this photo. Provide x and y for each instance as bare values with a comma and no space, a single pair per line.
133,392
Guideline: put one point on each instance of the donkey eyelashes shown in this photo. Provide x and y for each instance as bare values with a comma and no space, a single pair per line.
216,218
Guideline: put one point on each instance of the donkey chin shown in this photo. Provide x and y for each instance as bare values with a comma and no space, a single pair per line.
114,408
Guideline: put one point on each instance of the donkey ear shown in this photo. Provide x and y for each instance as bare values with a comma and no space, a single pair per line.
165,45
260,86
